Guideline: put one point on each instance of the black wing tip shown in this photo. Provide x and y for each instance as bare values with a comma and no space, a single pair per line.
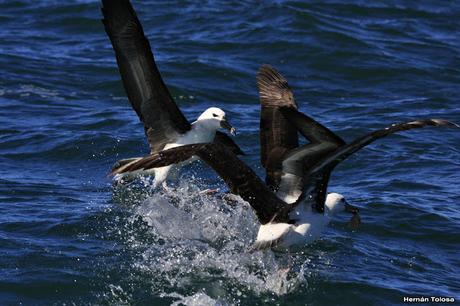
267,75
121,165
273,88
361,142
117,12
267,68
160,159
116,4
434,122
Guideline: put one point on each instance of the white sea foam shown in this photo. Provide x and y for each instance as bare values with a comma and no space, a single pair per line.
197,299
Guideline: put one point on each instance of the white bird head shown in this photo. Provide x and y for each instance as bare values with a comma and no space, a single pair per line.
336,203
216,118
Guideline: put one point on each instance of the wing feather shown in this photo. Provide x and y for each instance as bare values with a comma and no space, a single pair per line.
296,163
146,91
240,178
344,152
277,135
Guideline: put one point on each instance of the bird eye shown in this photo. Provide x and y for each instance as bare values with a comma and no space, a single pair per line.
214,115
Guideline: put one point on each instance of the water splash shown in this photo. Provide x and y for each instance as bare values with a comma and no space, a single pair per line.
197,299
201,246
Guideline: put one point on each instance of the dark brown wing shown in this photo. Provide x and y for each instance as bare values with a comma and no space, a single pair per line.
317,174
277,135
344,152
142,81
228,141
240,178
309,128
161,159
307,169
296,162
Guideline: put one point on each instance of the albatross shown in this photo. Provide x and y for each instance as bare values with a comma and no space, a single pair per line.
282,224
164,124
280,155
300,175
292,208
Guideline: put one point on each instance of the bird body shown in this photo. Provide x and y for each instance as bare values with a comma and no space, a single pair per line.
307,225
203,130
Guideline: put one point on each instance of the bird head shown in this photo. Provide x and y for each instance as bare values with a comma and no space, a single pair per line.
216,117
336,203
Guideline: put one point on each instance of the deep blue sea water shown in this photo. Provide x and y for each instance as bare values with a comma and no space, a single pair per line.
68,237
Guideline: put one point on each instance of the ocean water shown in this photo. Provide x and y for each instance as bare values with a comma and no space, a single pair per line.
67,236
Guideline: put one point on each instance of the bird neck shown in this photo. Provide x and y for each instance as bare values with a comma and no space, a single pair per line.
203,131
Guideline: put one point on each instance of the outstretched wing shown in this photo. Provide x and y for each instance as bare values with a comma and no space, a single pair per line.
240,178
277,134
314,174
142,81
322,141
306,170
344,152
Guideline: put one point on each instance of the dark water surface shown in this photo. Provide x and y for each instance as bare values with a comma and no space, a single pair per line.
66,236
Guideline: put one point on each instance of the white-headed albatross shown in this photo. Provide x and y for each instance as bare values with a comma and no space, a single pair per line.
284,224
165,125
281,157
